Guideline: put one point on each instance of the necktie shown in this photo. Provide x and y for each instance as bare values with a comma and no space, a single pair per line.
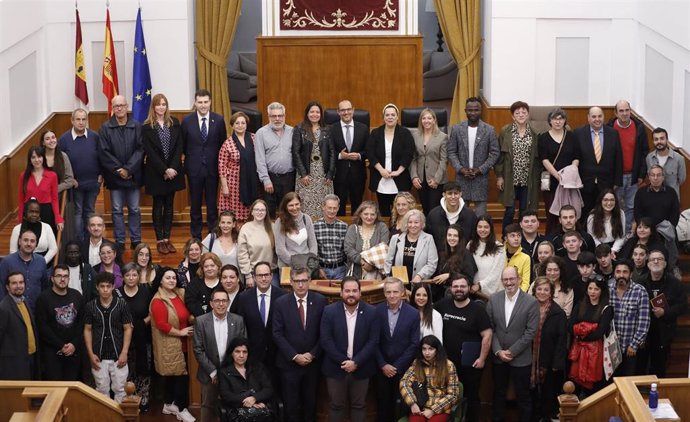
31,339
348,138
597,146
262,308
204,129
300,308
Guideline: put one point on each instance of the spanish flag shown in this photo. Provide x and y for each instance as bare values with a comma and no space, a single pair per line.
110,85
80,90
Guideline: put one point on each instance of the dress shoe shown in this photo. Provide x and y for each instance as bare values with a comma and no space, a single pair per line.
170,246
134,244
163,247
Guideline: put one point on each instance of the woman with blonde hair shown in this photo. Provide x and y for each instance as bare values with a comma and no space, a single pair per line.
403,202
256,242
430,165
163,176
413,248
207,278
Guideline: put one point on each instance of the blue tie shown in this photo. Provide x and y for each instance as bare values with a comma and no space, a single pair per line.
204,129
262,308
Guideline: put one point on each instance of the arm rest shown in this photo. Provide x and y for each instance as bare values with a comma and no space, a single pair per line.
236,74
447,68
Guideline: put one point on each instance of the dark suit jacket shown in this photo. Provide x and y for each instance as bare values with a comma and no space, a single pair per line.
334,340
399,349
205,345
348,170
199,154
289,336
261,346
517,336
554,335
402,154
14,341
609,171
155,163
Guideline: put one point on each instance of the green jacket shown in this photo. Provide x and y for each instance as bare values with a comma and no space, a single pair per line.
504,169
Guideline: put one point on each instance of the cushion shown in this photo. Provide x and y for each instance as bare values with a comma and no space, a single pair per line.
252,81
439,59
247,65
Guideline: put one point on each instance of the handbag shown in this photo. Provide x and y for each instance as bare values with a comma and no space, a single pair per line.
545,176
250,414
421,394
613,356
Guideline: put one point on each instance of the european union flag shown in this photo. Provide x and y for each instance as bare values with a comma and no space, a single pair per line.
142,78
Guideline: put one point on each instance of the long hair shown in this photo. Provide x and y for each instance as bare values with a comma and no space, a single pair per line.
428,309
268,224
41,152
565,283
454,257
149,267
394,214
598,217
491,246
434,130
288,224
218,232
306,123
58,159
603,299
357,217
439,366
151,118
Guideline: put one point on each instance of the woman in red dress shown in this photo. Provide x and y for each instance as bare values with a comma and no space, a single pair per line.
40,183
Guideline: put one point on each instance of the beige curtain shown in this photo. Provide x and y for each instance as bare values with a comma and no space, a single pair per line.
460,23
216,21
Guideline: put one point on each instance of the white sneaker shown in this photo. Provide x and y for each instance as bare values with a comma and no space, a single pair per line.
170,409
185,416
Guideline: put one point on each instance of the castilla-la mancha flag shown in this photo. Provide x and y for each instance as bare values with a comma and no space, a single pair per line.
110,85
80,90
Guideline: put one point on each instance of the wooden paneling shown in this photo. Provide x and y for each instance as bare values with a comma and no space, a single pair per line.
369,71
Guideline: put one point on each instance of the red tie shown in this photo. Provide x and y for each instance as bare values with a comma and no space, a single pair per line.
300,308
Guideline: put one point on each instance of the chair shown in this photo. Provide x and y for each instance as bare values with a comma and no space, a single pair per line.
331,116
242,77
440,75
410,117
256,117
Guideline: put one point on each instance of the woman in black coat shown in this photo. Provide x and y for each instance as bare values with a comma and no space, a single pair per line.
390,151
163,174
242,384
549,350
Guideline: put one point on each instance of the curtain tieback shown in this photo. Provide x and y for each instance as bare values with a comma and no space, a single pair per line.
472,55
211,56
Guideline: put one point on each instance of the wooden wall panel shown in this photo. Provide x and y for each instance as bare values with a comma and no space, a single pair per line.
370,71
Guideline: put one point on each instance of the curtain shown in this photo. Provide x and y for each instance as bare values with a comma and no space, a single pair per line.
460,23
216,21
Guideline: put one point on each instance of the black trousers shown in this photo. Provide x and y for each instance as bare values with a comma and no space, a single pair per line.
430,197
349,186
202,186
163,215
282,184
653,356
60,368
471,379
177,389
546,395
300,388
387,393
520,375
385,203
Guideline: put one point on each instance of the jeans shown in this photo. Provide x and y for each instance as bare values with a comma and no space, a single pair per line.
626,199
163,215
335,273
119,198
110,377
521,197
84,206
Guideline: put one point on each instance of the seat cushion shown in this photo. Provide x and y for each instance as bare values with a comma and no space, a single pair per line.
247,65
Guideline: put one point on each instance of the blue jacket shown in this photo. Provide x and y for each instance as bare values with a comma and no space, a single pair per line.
289,336
400,348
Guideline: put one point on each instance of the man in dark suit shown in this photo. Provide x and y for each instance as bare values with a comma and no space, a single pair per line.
514,317
601,161
255,305
211,346
296,328
398,343
349,337
350,140
17,333
203,133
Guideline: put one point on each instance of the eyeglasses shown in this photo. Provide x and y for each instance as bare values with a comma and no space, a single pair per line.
263,275
300,281
220,301
119,105
276,116
657,259
510,278
345,110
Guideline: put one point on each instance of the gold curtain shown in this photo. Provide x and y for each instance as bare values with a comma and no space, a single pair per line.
216,21
460,23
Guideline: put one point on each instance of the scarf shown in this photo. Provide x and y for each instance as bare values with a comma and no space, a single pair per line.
543,313
248,185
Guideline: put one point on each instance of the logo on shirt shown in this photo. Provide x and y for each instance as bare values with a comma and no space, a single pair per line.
66,315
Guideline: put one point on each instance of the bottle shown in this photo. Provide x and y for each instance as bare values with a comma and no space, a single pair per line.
653,397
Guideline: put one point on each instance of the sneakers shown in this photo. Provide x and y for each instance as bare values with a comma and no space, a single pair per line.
185,416
171,409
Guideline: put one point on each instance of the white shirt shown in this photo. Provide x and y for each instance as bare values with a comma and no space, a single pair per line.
75,134
351,321
509,305
208,120
267,301
94,253
232,297
304,305
471,139
75,279
388,186
220,329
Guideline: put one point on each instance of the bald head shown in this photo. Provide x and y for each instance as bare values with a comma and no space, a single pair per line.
623,113
119,104
595,117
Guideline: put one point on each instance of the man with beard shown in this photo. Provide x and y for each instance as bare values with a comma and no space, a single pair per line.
60,318
630,315
349,337
652,357
17,332
467,323
81,275
567,218
452,210
30,264
671,161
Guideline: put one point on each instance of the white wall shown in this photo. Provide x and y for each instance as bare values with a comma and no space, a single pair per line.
586,52
37,56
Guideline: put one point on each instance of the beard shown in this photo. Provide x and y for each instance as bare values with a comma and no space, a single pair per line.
460,296
622,282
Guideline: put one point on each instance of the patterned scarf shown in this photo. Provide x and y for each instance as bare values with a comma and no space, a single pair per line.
543,313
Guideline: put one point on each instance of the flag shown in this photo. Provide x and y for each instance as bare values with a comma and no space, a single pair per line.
110,85
141,97
80,90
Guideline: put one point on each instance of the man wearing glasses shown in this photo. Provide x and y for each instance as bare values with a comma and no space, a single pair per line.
273,150
213,333
296,327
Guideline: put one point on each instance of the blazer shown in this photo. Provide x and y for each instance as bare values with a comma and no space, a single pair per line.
334,340
233,387
354,245
554,336
289,336
349,168
402,155
260,336
518,335
400,348
430,161
14,364
155,163
425,257
199,154
504,168
486,153
609,171
302,148
205,345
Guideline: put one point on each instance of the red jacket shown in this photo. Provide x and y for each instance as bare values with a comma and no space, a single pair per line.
587,356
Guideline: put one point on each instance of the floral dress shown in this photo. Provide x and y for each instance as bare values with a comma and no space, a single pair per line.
313,195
